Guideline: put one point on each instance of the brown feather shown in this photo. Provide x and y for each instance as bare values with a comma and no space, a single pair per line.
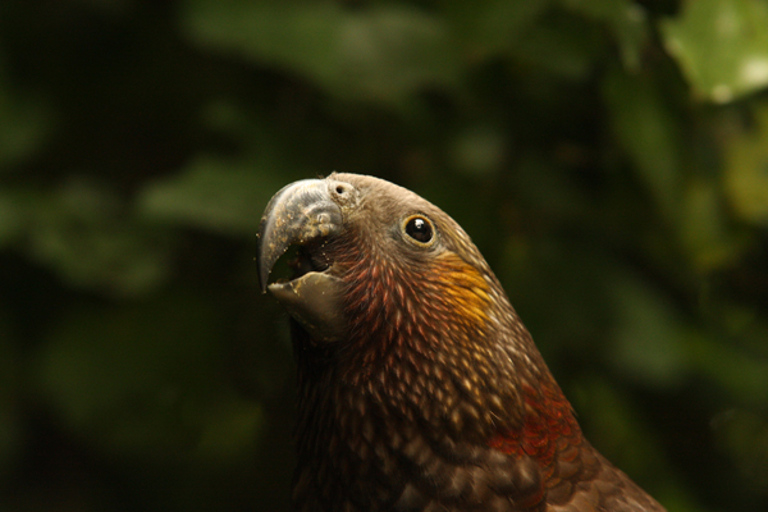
437,398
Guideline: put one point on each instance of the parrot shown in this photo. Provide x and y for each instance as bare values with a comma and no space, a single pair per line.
419,387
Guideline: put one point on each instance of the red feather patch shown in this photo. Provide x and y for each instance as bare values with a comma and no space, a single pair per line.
548,430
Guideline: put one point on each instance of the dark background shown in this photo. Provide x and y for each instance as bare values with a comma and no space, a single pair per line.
610,158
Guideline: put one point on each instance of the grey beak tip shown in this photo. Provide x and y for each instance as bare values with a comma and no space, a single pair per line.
263,283
299,212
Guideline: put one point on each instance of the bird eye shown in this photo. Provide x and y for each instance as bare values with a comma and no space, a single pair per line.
420,229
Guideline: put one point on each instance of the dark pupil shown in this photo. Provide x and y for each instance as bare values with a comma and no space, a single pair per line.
419,229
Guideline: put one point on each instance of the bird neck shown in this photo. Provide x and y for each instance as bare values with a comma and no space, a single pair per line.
441,348
548,419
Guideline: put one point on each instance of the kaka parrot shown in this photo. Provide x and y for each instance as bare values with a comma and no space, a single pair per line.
420,389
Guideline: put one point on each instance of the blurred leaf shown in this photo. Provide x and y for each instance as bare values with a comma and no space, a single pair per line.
141,380
10,428
743,435
109,6
745,322
616,429
649,334
487,27
565,47
527,32
229,430
81,233
704,229
721,45
740,373
12,215
237,123
478,150
649,133
746,169
213,193
25,122
654,344
381,52
550,192
627,20
151,349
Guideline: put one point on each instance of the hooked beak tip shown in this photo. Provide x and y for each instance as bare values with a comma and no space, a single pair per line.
299,213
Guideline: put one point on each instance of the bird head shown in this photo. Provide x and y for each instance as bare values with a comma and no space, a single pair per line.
419,386
396,298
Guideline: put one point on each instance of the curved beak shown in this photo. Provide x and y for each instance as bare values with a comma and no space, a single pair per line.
303,213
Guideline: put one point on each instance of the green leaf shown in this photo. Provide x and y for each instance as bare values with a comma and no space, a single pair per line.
26,122
564,46
10,382
213,193
721,45
743,435
703,227
478,150
740,372
626,19
746,169
488,27
649,334
228,429
144,380
380,52
649,133
13,217
616,428
79,231
655,344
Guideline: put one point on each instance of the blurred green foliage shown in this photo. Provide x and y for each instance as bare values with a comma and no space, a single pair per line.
610,158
